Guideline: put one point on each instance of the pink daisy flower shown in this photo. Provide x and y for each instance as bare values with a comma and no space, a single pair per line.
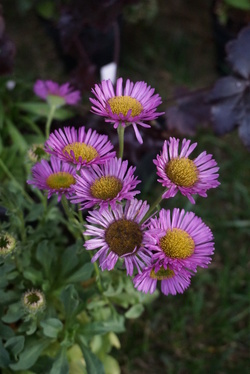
79,147
49,89
178,172
56,177
181,242
118,233
134,104
172,281
105,184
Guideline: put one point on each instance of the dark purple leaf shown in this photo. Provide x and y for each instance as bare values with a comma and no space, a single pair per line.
227,87
227,99
244,132
238,53
190,112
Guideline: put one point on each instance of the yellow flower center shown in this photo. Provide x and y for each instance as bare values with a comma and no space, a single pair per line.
106,188
162,274
122,104
182,171
86,152
61,179
177,243
123,236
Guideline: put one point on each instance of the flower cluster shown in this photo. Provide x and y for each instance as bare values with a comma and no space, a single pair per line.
152,246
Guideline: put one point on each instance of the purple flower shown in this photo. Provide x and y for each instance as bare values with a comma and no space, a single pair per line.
45,89
172,281
178,173
105,184
134,104
183,241
79,147
118,234
56,177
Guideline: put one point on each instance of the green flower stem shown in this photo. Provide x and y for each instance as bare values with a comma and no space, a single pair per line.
80,217
70,214
98,276
120,132
49,120
17,184
152,208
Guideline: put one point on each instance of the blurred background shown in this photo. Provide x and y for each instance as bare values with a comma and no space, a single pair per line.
177,47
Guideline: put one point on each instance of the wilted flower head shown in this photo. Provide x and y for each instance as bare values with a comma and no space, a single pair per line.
178,172
7,244
118,233
34,301
79,147
134,104
55,94
56,176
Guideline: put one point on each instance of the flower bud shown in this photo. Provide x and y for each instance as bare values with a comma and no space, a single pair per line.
7,244
34,301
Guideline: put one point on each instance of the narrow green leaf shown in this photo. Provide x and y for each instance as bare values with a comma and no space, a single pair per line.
45,254
70,300
17,138
60,365
93,364
1,115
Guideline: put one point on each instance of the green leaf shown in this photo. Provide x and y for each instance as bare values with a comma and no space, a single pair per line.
4,356
45,254
17,138
51,327
60,365
46,9
93,364
5,331
43,109
81,274
135,311
1,145
70,300
35,214
240,4
101,327
15,344
1,115
34,276
33,349
14,313
111,365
